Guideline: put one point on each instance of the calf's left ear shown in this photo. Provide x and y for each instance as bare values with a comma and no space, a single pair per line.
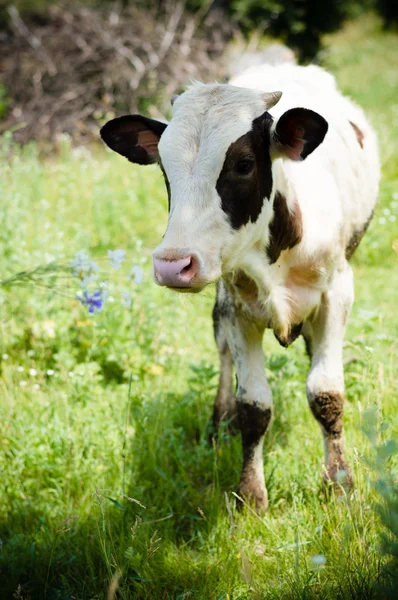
135,137
298,132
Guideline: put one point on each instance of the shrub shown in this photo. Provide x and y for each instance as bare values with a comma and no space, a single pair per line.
86,63
388,9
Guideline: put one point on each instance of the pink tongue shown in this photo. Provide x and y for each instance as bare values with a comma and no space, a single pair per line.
168,272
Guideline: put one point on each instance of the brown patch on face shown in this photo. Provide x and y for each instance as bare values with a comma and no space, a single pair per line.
356,238
246,177
358,133
286,228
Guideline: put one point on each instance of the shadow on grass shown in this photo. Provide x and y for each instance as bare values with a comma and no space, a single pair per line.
171,486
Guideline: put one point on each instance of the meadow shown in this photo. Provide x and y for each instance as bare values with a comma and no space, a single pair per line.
108,485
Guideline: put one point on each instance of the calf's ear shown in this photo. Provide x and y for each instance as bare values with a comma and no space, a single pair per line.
134,137
298,132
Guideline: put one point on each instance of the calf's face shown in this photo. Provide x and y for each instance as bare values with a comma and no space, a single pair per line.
215,156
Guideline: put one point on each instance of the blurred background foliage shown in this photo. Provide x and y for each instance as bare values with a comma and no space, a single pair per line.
299,22
66,66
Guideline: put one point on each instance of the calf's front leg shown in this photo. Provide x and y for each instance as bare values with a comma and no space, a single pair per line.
325,383
253,401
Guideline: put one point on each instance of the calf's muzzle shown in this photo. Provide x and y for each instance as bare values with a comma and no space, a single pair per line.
176,273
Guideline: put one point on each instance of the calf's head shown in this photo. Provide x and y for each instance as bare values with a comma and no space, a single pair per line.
215,155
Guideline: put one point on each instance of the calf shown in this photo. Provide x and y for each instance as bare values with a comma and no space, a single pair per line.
269,195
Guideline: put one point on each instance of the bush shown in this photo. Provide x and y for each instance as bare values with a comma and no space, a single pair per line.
300,23
388,9
86,63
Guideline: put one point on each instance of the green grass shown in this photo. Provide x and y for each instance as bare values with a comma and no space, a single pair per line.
106,477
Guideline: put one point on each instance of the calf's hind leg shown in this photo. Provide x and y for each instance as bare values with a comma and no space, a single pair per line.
325,383
225,403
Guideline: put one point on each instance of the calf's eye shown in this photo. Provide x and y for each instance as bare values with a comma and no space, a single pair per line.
244,166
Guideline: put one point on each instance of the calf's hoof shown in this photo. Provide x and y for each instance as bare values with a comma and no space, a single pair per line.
338,476
254,494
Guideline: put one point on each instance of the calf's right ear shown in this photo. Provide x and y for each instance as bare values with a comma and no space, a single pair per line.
298,132
134,137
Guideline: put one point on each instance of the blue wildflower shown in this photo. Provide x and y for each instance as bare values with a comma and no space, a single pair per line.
88,279
127,299
94,302
116,257
137,274
82,266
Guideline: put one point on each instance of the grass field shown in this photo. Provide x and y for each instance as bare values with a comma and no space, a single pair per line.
107,481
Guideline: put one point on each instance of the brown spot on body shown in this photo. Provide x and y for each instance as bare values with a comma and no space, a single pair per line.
358,133
356,238
286,228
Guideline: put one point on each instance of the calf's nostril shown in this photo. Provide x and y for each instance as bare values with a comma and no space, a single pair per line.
187,267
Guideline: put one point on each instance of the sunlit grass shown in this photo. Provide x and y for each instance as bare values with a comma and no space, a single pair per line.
107,478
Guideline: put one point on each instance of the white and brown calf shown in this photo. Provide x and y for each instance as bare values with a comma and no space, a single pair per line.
271,205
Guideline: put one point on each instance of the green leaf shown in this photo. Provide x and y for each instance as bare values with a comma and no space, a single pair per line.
115,502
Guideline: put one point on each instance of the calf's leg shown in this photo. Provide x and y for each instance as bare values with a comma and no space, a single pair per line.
253,400
325,383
